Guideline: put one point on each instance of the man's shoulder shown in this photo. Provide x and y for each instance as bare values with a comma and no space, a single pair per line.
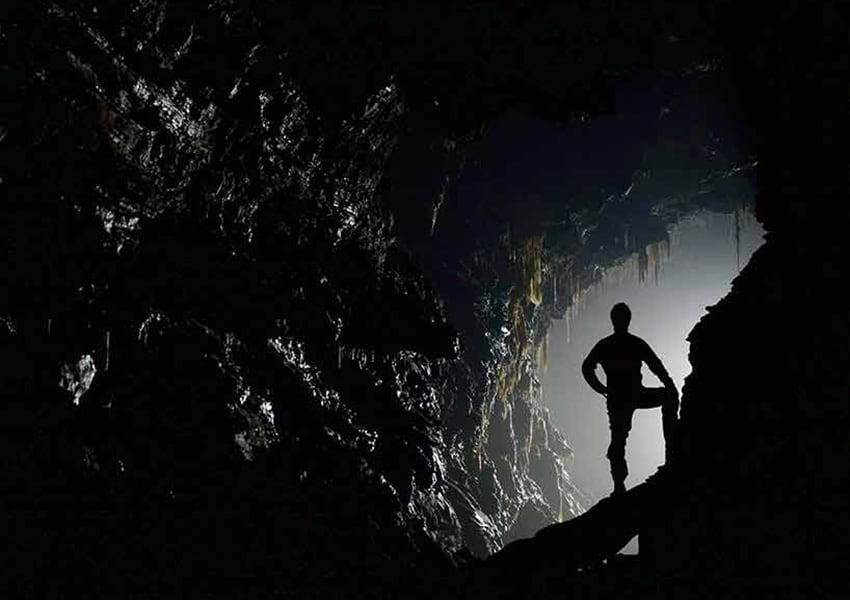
640,343
620,338
623,341
618,342
602,345
596,349
606,341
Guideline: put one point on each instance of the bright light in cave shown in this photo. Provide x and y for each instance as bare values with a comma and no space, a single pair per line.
703,262
593,191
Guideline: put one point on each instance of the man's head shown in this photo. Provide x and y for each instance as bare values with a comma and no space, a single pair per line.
621,316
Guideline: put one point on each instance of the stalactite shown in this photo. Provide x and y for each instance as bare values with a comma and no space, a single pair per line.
107,344
555,289
532,258
545,355
656,255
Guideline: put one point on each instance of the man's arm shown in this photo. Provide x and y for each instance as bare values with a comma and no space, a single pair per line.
588,369
654,363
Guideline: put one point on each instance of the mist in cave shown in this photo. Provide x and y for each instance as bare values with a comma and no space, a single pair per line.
704,258
536,175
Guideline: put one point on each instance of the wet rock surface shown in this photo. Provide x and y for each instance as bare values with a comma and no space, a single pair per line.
252,346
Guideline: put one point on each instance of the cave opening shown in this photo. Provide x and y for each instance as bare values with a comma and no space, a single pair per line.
705,253
547,223
703,259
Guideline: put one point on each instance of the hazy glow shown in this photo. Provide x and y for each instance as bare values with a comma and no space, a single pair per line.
703,264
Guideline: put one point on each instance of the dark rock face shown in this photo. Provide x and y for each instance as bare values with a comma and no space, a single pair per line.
770,360
217,366
251,346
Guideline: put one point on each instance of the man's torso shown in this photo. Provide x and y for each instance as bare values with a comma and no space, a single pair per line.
621,356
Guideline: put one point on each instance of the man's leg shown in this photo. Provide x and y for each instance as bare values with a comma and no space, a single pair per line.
620,421
668,400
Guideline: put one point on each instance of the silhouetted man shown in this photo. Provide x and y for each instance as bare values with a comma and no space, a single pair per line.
621,355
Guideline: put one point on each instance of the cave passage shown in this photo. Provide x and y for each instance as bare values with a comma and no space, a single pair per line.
701,265
670,169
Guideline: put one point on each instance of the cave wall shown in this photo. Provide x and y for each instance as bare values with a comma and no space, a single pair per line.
770,361
219,373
